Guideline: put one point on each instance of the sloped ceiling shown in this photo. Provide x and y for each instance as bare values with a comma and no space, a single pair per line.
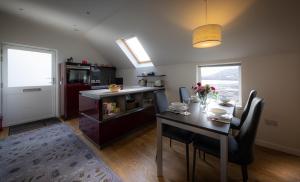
250,27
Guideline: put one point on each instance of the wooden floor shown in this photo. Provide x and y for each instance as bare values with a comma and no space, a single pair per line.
133,159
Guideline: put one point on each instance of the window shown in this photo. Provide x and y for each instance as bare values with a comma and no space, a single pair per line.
29,68
226,79
135,52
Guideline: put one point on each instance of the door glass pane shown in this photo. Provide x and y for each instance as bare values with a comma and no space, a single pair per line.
29,68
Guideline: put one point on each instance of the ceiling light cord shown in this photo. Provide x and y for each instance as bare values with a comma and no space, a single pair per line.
205,11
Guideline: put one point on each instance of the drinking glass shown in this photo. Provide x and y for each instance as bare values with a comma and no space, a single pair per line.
187,103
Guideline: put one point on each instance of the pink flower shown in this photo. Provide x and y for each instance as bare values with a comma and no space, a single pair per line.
200,89
199,84
213,88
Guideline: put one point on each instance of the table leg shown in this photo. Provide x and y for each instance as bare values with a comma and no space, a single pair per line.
224,157
159,161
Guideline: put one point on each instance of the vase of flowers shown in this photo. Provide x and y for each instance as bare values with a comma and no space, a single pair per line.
203,91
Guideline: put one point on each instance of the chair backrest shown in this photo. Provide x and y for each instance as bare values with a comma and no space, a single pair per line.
183,94
161,101
247,134
252,94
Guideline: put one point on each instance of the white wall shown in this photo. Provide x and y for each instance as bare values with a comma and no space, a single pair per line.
67,44
275,77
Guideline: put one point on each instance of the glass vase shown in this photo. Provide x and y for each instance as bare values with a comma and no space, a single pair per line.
203,101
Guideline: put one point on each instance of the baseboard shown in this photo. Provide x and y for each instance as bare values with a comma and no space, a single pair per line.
278,147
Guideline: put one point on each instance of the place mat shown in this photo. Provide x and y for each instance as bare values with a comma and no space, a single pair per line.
219,119
179,112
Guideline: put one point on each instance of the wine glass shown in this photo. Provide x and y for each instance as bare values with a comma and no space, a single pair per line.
186,101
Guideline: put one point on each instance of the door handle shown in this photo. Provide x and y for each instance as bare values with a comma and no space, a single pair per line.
32,90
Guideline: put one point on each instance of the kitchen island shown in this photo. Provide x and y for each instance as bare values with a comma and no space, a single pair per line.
106,116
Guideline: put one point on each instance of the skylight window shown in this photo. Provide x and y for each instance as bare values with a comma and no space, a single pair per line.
137,49
135,52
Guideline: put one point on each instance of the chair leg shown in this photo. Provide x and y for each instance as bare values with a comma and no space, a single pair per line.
194,164
245,173
204,156
187,161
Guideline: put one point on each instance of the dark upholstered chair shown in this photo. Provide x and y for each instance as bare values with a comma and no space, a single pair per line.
183,136
184,94
237,123
240,148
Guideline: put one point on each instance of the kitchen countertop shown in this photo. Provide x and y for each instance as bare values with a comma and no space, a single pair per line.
98,94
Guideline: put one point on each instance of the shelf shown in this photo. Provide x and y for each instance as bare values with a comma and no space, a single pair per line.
148,105
116,115
112,115
145,76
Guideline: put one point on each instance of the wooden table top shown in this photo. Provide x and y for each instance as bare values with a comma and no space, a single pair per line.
199,119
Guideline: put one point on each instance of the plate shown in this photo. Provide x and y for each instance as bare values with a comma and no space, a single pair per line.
218,111
226,104
178,106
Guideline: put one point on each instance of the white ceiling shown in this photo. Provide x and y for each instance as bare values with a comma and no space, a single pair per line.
250,27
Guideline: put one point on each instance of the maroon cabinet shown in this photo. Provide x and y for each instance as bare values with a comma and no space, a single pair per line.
71,106
70,86
115,128
104,131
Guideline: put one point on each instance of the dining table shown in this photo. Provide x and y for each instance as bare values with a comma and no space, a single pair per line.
199,121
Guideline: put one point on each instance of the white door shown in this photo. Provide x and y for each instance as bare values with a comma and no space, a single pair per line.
28,84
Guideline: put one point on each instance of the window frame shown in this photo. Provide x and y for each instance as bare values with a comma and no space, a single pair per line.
198,72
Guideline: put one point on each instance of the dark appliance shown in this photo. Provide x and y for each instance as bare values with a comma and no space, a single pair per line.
78,73
102,76
108,75
95,76
119,81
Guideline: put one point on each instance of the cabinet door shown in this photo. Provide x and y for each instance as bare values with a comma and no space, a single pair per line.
72,99
112,75
108,76
103,79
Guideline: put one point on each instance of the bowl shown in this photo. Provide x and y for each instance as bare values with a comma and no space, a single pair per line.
218,111
114,88
178,106
225,100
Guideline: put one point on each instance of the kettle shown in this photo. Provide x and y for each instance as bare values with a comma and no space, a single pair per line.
142,82
158,83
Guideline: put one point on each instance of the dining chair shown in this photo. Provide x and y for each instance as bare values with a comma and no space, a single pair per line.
184,94
180,135
237,123
240,147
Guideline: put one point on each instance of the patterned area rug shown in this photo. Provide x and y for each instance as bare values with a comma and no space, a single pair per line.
52,153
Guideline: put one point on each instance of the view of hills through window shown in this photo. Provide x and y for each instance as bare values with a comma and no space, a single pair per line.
226,79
